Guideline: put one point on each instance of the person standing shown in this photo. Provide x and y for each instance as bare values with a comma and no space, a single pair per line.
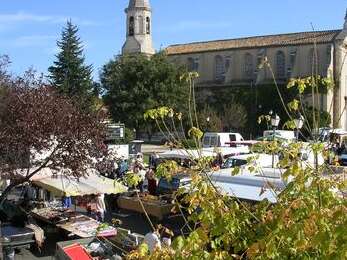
153,160
66,201
152,239
139,169
100,207
123,168
152,182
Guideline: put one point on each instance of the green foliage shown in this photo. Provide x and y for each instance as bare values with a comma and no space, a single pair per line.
134,84
323,118
305,85
234,116
255,100
213,124
69,74
189,144
195,132
167,169
132,179
309,220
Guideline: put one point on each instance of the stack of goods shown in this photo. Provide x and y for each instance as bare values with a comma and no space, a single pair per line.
96,250
126,240
84,226
164,199
50,214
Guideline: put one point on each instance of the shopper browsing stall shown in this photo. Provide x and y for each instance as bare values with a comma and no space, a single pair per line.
100,207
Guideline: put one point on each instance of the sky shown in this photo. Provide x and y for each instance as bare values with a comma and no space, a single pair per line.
29,29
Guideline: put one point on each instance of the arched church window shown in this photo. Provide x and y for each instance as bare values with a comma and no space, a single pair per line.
131,26
219,69
141,25
148,25
249,66
280,65
193,64
190,64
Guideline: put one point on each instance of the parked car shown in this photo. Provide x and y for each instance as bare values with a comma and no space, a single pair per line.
220,139
261,160
279,134
178,181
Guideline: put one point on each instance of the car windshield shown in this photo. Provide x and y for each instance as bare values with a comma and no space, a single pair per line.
232,162
172,185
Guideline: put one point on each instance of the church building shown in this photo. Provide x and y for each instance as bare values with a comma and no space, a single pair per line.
234,62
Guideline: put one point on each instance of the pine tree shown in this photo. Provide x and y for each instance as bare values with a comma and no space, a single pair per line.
69,74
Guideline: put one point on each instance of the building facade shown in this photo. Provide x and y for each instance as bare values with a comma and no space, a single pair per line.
235,62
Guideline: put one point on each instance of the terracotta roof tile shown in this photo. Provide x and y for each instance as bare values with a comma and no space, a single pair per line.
255,42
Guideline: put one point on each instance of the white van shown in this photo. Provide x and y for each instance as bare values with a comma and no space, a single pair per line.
220,139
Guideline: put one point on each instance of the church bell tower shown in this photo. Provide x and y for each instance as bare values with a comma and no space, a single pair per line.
139,28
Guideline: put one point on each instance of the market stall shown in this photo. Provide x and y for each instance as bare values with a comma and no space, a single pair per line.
88,248
73,223
84,227
99,247
68,219
62,185
156,206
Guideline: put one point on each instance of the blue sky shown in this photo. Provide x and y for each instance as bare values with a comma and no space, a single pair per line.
29,29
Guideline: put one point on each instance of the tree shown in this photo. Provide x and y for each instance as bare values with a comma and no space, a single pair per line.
69,75
136,83
39,128
308,220
209,121
234,116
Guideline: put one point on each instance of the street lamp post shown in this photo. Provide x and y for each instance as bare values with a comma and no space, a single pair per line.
208,123
275,121
299,123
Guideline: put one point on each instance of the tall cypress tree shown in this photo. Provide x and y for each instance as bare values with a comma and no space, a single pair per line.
69,74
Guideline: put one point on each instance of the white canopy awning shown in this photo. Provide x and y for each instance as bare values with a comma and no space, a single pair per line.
62,185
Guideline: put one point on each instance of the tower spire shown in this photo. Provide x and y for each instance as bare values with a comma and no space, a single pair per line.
139,31
139,4
345,25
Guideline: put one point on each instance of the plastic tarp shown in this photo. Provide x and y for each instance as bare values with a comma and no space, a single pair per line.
61,185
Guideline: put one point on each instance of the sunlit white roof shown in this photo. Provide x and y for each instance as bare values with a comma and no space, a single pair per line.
247,186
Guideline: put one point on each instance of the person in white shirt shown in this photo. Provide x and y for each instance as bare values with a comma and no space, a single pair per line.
100,207
152,240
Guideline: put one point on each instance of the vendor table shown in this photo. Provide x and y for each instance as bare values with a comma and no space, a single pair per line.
83,226
125,240
51,215
73,223
84,247
155,208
